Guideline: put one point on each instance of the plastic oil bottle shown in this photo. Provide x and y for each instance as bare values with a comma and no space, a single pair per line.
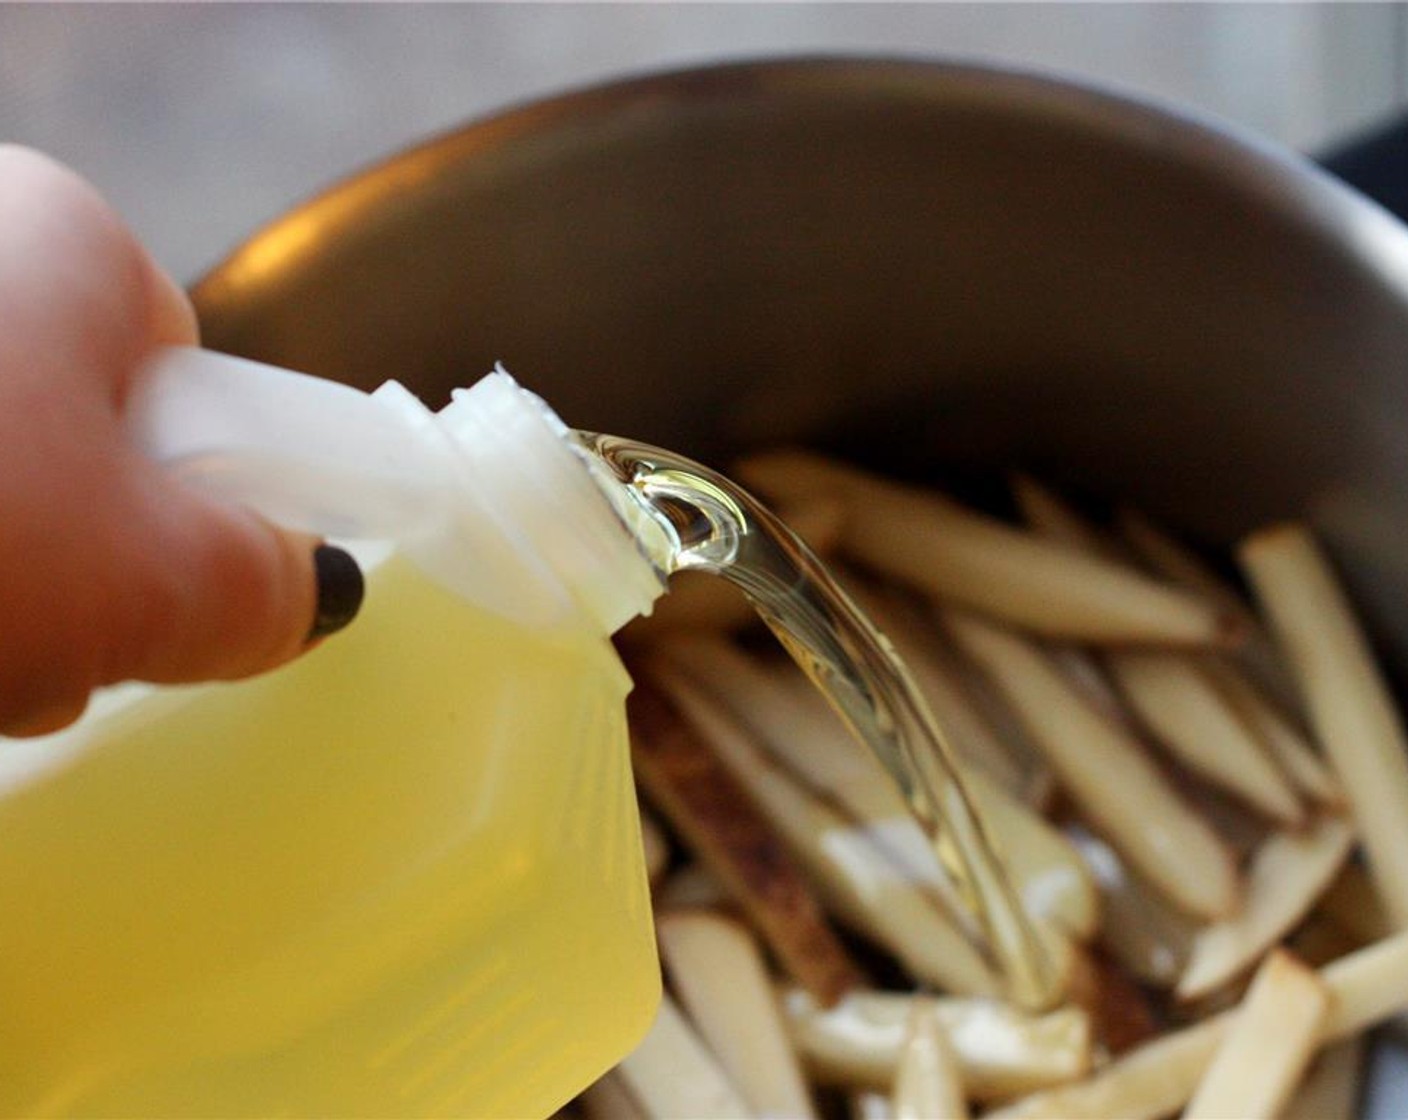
403,876
399,877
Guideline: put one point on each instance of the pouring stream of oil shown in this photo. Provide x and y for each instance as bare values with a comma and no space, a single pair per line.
688,517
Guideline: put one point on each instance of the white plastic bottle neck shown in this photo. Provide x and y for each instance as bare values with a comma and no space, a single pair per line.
530,475
493,495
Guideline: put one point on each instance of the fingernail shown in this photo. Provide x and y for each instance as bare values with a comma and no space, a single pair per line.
340,590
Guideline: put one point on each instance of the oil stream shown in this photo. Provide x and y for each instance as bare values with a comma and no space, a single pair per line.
689,517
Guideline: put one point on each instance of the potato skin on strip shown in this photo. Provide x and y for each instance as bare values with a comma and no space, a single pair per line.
721,824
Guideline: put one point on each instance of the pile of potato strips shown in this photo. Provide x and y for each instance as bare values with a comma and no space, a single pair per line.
1200,796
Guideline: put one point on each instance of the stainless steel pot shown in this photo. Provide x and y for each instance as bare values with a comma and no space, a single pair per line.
911,262
918,265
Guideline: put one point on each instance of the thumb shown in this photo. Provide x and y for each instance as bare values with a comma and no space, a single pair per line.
215,592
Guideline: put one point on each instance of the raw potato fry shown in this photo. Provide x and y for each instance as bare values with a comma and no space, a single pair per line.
1283,741
1150,939
1169,691
1170,558
1089,680
1267,1046
1156,1080
1001,1051
1286,876
610,1099
1330,1090
1241,832
1149,1083
928,1084
721,981
1175,700
739,846
671,1074
1350,707
940,547
1106,772
855,879
803,735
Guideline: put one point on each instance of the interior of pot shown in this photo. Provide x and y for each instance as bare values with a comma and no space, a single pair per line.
914,264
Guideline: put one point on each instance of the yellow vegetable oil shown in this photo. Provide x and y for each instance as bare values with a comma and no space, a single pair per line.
399,877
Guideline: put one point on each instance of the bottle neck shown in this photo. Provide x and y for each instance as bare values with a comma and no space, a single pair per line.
575,550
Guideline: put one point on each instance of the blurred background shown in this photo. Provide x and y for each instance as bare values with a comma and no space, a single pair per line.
201,123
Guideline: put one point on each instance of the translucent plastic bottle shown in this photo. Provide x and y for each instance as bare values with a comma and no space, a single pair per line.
400,877
403,876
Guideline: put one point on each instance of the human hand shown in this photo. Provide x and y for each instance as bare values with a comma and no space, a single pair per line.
109,570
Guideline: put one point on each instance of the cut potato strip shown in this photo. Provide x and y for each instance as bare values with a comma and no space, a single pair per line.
1149,1083
1170,558
928,1084
1148,937
671,1073
1107,773
793,722
1184,711
1287,874
1088,679
719,977
1001,1051
1157,1079
858,883
1330,1090
1350,707
1291,750
715,817
1267,1046
939,547
610,1099
1169,692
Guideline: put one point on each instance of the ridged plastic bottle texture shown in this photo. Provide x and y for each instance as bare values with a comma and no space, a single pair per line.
401,877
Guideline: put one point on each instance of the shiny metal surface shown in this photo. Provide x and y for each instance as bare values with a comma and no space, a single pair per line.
912,263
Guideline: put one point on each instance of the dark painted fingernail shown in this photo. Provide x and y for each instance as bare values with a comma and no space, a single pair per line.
340,590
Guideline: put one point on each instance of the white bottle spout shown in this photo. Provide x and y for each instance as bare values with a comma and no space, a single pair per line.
492,496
